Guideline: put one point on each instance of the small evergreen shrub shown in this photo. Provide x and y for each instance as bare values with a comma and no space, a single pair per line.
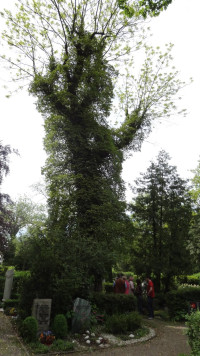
29,329
193,332
133,321
116,324
60,327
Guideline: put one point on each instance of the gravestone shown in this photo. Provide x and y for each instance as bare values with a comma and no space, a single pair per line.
8,284
42,312
81,317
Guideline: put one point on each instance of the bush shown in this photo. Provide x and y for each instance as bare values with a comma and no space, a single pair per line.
29,329
61,345
116,324
10,303
114,303
108,287
121,323
39,348
60,327
193,332
133,321
178,301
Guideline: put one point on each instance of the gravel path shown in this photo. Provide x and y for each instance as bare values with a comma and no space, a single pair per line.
10,344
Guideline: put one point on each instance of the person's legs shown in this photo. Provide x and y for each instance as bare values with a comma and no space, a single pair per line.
139,302
150,307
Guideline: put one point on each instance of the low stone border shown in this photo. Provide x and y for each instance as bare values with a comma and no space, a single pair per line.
116,341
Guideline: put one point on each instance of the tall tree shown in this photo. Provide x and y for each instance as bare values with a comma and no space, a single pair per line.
194,235
5,151
68,50
161,214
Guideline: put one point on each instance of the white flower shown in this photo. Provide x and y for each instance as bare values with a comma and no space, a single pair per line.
88,342
87,337
87,332
98,341
92,334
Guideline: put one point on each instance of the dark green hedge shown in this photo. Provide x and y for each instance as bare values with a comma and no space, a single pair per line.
114,303
178,301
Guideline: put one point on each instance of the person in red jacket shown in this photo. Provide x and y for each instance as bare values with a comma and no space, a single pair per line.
150,296
119,285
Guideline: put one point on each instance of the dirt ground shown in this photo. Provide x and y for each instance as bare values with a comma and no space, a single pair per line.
169,341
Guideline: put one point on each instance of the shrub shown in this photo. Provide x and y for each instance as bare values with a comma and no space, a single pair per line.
178,301
193,332
10,303
39,348
113,303
116,324
133,321
29,329
108,287
61,345
60,326
121,323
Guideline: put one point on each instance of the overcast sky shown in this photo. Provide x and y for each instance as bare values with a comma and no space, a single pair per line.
22,127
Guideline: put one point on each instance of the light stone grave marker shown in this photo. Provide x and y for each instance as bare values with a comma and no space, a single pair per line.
8,284
42,312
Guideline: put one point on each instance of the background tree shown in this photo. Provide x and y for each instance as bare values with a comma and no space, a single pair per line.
194,235
69,50
24,215
161,215
5,226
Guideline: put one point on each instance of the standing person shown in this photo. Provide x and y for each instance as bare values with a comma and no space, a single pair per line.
131,285
119,284
150,296
127,285
138,293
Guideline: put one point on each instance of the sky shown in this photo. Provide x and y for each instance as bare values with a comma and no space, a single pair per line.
21,126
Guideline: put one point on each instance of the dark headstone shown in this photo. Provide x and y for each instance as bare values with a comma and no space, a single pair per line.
81,318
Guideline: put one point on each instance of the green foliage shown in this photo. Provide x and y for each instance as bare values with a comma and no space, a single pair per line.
10,303
193,332
29,329
60,327
39,348
66,48
61,345
191,279
178,301
5,242
162,212
133,321
108,287
121,323
114,303
116,324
